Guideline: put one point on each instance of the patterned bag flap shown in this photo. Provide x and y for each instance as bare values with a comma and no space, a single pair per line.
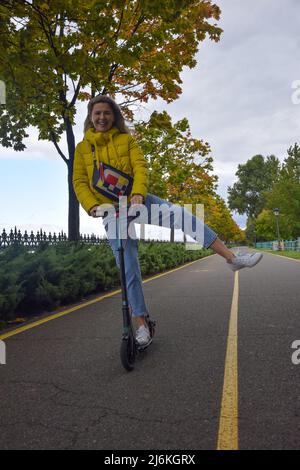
110,181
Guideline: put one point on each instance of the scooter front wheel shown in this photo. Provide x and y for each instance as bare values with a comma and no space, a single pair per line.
128,352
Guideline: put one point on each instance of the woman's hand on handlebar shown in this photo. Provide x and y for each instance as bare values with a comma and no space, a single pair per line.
136,199
96,211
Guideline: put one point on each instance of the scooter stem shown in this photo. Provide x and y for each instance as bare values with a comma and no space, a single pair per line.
125,303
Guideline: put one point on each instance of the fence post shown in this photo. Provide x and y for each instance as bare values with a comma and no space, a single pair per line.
298,244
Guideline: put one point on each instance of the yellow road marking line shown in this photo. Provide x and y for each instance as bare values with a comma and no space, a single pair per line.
228,425
85,304
56,315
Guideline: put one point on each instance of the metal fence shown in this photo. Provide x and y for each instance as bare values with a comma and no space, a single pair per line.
15,237
291,245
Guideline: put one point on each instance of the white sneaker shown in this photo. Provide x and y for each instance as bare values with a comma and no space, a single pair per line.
245,260
142,335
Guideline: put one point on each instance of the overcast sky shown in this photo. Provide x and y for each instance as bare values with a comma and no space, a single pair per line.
238,98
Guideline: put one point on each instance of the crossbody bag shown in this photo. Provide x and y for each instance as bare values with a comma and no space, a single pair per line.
110,181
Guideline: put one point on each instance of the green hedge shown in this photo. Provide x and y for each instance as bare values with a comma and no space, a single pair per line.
51,276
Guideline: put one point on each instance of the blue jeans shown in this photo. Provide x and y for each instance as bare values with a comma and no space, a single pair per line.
180,218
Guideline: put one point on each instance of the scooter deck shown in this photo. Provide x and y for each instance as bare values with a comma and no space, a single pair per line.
145,346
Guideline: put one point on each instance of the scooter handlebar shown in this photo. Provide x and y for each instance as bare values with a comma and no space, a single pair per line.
101,212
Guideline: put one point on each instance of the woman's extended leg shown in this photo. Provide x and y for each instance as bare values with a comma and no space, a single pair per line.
218,247
178,217
165,214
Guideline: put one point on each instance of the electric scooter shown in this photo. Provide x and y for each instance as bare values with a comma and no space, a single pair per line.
129,347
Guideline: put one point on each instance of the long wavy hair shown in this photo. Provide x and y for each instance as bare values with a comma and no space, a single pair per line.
119,120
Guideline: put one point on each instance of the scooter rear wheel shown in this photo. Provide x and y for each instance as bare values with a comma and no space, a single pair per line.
128,352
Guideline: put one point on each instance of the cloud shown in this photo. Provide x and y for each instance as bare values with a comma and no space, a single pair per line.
238,98
43,149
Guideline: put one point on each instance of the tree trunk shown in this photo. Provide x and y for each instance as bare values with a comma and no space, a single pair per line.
73,218
172,235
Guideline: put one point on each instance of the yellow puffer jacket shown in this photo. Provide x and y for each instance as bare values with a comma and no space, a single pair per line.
118,150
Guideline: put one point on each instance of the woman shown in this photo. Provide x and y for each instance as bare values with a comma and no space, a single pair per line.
107,141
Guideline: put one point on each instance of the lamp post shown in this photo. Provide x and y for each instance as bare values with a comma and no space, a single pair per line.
276,213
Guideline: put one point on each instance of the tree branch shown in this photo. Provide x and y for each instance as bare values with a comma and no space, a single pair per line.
53,140
119,25
76,92
129,102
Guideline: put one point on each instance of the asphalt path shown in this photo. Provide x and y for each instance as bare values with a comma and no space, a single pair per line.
63,386
269,383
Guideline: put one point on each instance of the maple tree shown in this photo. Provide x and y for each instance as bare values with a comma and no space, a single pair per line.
219,218
56,53
181,171
179,164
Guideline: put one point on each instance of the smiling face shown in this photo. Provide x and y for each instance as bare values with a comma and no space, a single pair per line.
102,117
